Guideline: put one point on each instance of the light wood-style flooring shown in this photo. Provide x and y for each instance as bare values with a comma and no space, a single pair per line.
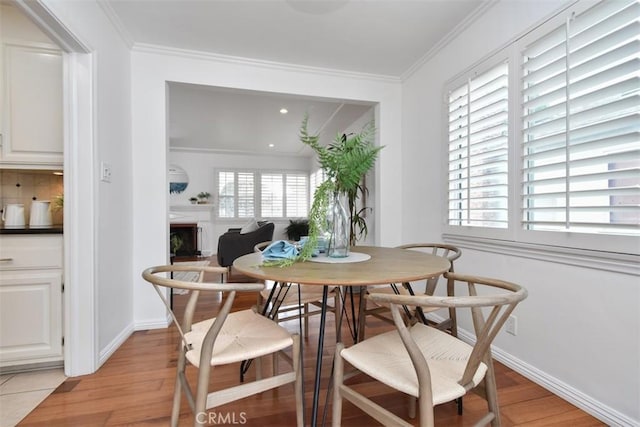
135,388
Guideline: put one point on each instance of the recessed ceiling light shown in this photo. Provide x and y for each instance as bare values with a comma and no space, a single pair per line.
271,145
283,111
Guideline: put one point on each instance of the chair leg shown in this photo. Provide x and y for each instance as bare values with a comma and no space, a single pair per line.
491,392
177,397
337,312
274,363
202,389
306,320
412,407
362,309
296,353
452,311
258,363
338,377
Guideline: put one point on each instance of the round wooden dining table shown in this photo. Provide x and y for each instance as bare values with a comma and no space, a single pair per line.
367,265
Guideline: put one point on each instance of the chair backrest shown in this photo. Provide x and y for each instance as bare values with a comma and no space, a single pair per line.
160,276
444,250
500,305
260,246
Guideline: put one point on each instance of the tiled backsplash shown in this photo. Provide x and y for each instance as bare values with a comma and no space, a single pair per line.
23,186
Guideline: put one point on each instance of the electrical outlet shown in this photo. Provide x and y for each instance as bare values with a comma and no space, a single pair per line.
512,325
105,172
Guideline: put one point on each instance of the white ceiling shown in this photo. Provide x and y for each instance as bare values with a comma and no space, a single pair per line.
240,121
382,37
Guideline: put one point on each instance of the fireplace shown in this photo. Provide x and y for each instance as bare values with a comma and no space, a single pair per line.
184,239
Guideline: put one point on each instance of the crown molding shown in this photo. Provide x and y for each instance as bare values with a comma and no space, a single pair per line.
450,36
235,152
238,60
116,22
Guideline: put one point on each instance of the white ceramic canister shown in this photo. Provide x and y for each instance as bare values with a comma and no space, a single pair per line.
13,215
40,214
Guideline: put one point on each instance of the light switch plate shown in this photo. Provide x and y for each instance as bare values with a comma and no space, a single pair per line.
105,172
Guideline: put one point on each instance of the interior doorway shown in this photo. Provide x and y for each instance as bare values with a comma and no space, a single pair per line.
79,313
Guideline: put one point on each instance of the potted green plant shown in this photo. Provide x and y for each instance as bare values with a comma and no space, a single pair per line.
296,229
345,161
176,242
203,197
193,200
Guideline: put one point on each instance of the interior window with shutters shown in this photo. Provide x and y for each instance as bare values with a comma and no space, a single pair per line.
543,136
226,194
246,201
580,124
247,194
478,150
296,194
272,195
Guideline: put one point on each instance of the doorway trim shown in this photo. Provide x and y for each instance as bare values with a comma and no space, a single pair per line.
79,299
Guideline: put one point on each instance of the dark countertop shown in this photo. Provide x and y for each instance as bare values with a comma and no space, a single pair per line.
54,229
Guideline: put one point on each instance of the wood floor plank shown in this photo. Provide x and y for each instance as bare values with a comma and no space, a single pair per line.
135,387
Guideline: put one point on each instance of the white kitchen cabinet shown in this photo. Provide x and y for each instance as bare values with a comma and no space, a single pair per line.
31,281
32,130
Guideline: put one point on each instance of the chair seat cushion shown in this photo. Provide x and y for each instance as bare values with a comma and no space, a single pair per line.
385,358
244,335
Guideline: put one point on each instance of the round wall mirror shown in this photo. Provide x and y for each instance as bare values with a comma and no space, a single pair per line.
178,179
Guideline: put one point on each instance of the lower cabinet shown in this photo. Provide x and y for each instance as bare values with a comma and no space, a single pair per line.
30,304
30,317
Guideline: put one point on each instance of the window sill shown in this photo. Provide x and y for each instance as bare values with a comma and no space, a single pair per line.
600,260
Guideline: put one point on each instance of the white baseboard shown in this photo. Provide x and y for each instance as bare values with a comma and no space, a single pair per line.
153,324
106,352
572,395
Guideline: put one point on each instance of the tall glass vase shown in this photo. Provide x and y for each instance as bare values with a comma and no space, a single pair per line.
338,224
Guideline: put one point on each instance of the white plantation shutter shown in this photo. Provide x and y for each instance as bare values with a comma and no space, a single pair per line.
581,124
226,194
297,196
478,150
245,195
272,195
315,179
242,194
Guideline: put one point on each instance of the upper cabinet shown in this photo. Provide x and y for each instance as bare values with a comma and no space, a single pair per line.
32,131
31,126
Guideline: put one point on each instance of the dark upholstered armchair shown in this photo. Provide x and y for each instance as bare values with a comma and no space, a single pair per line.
233,244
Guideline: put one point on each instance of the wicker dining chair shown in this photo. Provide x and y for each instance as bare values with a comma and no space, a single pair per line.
412,314
429,364
224,339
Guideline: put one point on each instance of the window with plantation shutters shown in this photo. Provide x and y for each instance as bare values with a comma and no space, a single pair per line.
581,123
315,179
246,194
226,194
478,150
272,194
296,194
235,194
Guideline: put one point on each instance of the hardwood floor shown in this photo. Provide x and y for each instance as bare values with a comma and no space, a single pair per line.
135,388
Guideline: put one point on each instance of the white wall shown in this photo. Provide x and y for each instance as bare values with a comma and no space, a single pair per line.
112,204
152,68
579,330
